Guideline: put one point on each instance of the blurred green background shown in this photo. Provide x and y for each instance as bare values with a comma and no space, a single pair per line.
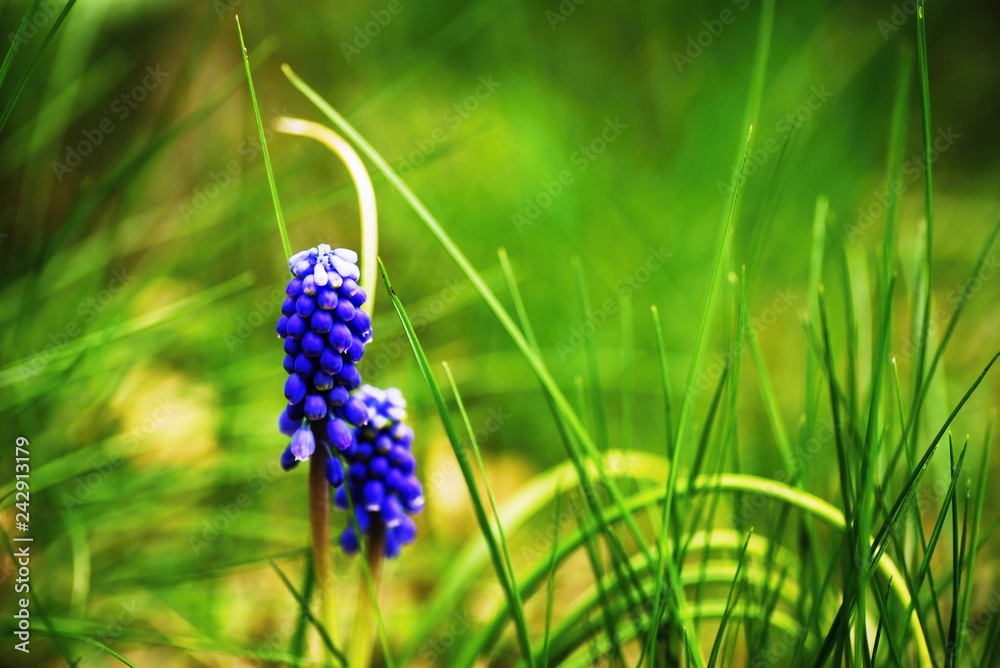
140,259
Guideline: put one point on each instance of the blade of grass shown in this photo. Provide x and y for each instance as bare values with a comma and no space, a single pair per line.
550,588
13,48
628,373
474,445
34,61
596,398
925,98
701,345
878,629
267,159
951,655
976,524
734,591
297,647
513,598
304,607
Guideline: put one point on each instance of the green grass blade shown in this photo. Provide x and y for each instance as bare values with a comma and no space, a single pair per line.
976,524
668,410
701,346
593,368
463,461
628,373
12,50
550,588
297,646
474,445
515,293
878,629
894,171
263,146
304,609
34,61
925,99
730,600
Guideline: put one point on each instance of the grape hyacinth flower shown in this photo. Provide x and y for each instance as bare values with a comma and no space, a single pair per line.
325,332
380,475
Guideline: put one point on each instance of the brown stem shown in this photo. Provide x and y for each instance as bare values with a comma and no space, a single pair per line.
319,523
363,638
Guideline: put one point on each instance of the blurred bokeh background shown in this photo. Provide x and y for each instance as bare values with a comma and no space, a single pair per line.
142,267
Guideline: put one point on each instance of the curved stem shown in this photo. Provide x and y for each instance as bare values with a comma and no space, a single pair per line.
363,183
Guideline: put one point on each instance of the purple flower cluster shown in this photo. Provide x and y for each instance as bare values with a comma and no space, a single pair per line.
325,332
380,474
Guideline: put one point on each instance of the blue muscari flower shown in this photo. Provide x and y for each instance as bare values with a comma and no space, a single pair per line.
380,471
325,332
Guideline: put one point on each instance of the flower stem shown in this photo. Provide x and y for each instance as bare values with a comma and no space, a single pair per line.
363,637
319,521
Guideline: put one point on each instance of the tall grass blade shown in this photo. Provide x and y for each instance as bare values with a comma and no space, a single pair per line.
263,146
34,61
513,597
